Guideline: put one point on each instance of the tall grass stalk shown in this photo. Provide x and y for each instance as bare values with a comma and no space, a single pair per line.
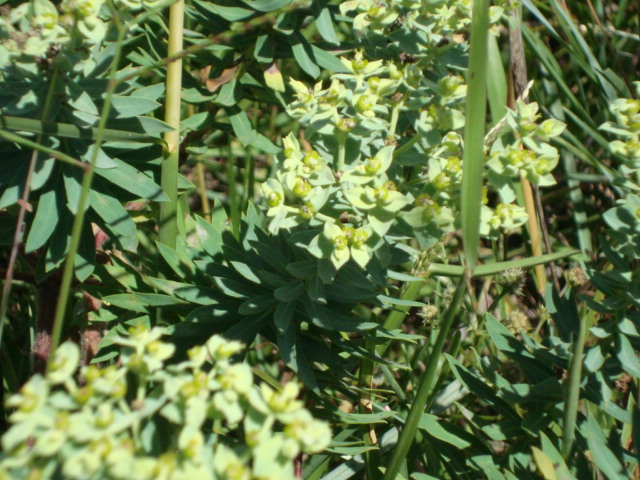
12,137
572,396
87,179
169,181
372,459
473,157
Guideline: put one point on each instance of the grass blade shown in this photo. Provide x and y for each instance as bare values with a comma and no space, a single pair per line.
444,270
473,158
425,386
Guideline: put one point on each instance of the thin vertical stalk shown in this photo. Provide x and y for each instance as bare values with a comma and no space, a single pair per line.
572,397
13,256
78,221
200,175
202,190
234,200
425,386
444,371
169,210
372,459
473,157
249,179
534,232
342,149
518,83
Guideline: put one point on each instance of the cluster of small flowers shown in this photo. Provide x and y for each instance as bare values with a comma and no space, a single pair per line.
529,156
440,18
624,219
32,29
343,179
627,126
357,184
146,419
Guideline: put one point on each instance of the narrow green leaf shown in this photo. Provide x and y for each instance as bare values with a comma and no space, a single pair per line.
132,180
496,81
264,50
232,14
241,125
399,301
474,130
324,23
290,291
79,99
304,56
131,106
115,217
430,424
603,457
544,464
330,320
316,290
328,61
257,304
46,219
266,5
628,356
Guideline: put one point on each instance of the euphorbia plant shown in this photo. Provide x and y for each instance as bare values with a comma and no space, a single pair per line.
149,419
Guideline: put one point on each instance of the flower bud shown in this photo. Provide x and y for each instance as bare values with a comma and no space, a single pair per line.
301,187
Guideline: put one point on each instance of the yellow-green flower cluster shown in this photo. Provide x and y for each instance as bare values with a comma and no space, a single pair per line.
36,28
627,126
530,155
111,422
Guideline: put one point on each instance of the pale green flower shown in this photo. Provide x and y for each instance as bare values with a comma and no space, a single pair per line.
313,435
65,363
237,377
370,169
227,402
361,67
222,349
228,465
31,397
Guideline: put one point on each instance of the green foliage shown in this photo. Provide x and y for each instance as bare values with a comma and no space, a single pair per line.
333,139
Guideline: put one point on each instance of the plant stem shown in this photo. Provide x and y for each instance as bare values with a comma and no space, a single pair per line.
69,130
342,142
406,146
372,459
398,314
572,398
518,80
78,221
425,385
12,137
534,232
13,256
395,114
473,156
200,174
169,181
234,200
